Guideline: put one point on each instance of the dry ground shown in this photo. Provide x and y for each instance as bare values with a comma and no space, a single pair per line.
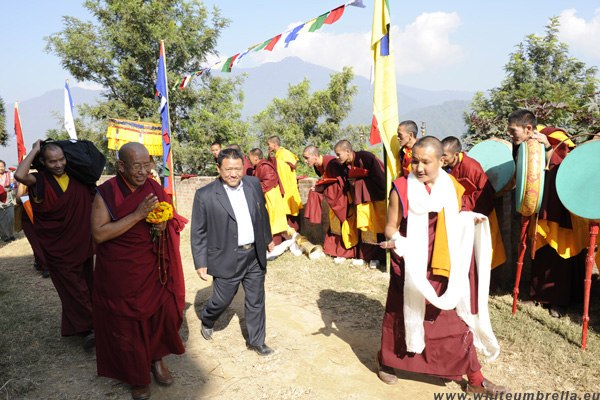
323,320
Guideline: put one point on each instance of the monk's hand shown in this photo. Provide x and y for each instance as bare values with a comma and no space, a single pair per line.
388,244
540,137
479,218
146,206
202,273
270,246
36,146
160,226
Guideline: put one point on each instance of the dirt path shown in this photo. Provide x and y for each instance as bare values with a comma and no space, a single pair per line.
320,353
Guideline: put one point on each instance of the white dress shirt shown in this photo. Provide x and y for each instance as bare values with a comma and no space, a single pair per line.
239,204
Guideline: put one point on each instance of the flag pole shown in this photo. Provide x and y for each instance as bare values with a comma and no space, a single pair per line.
168,158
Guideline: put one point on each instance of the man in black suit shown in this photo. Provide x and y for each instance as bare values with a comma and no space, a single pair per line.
230,238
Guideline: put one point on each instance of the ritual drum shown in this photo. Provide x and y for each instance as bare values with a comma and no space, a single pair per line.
495,157
531,162
578,181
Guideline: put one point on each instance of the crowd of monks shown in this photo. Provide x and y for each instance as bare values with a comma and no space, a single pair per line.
437,185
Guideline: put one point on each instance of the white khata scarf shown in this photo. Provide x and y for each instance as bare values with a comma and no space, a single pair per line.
462,235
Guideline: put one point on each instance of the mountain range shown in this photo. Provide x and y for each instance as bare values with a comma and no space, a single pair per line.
440,111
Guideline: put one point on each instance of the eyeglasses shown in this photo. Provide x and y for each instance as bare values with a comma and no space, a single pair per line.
137,167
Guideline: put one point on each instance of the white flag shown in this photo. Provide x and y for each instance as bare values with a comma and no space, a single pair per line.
69,121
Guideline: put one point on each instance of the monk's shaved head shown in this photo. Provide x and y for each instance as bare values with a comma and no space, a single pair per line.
452,144
430,142
128,149
343,145
311,150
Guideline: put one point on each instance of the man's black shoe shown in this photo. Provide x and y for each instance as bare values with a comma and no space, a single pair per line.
206,332
262,350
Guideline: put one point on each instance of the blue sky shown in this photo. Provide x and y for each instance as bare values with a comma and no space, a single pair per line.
451,44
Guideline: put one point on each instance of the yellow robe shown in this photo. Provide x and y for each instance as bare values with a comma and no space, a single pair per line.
287,176
276,210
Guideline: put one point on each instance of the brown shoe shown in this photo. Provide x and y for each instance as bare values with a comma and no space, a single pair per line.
140,392
161,373
488,388
387,375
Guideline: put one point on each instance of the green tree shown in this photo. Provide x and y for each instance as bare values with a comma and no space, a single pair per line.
3,133
310,118
540,76
120,50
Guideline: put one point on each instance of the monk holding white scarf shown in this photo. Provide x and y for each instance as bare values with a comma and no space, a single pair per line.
436,311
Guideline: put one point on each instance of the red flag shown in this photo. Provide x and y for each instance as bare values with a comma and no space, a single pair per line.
19,134
334,15
273,42
375,136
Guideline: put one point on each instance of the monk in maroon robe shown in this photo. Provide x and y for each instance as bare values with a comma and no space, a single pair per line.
407,136
333,188
139,295
449,349
366,175
556,279
62,206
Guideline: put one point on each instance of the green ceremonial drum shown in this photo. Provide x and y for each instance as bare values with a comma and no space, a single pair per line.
495,157
578,181
531,162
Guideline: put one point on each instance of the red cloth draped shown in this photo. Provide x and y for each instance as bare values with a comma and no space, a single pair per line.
449,350
372,187
139,317
63,230
405,160
479,192
267,175
248,168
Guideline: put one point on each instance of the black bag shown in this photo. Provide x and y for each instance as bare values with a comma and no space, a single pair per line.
84,161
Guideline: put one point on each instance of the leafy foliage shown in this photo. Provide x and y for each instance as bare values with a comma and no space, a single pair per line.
120,50
3,133
540,76
305,118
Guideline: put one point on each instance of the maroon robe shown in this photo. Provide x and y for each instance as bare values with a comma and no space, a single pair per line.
479,192
248,168
405,160
63,230
267,175
449,350
335,193
137,316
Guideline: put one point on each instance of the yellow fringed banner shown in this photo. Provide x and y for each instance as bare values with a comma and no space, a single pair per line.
121,131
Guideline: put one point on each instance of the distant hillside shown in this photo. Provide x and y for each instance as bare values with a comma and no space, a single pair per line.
441,110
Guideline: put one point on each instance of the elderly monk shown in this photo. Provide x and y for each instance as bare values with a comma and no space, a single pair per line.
62,206
407,136
479,192
429,323
365,173
285,162
342,236
139,295
560,237
273,191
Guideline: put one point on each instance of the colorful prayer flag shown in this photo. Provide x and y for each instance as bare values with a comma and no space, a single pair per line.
385,99
335,15
69,120
272,43
319,21
121,131
19,134
292,35
163,94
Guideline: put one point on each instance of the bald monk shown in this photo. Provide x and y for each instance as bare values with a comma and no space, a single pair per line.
366,176
285,162
273,191
341,238
62,206
407,136
479,192
139,295
424,332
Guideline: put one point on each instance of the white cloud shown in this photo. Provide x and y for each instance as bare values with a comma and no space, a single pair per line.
422,45
580,34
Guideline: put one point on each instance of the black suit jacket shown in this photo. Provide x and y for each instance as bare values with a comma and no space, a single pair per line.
214,236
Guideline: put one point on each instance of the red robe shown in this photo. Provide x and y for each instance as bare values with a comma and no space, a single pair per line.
372,186
449,350
62,228
405,161
248,168
137,316
336,196
267,175
479,192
